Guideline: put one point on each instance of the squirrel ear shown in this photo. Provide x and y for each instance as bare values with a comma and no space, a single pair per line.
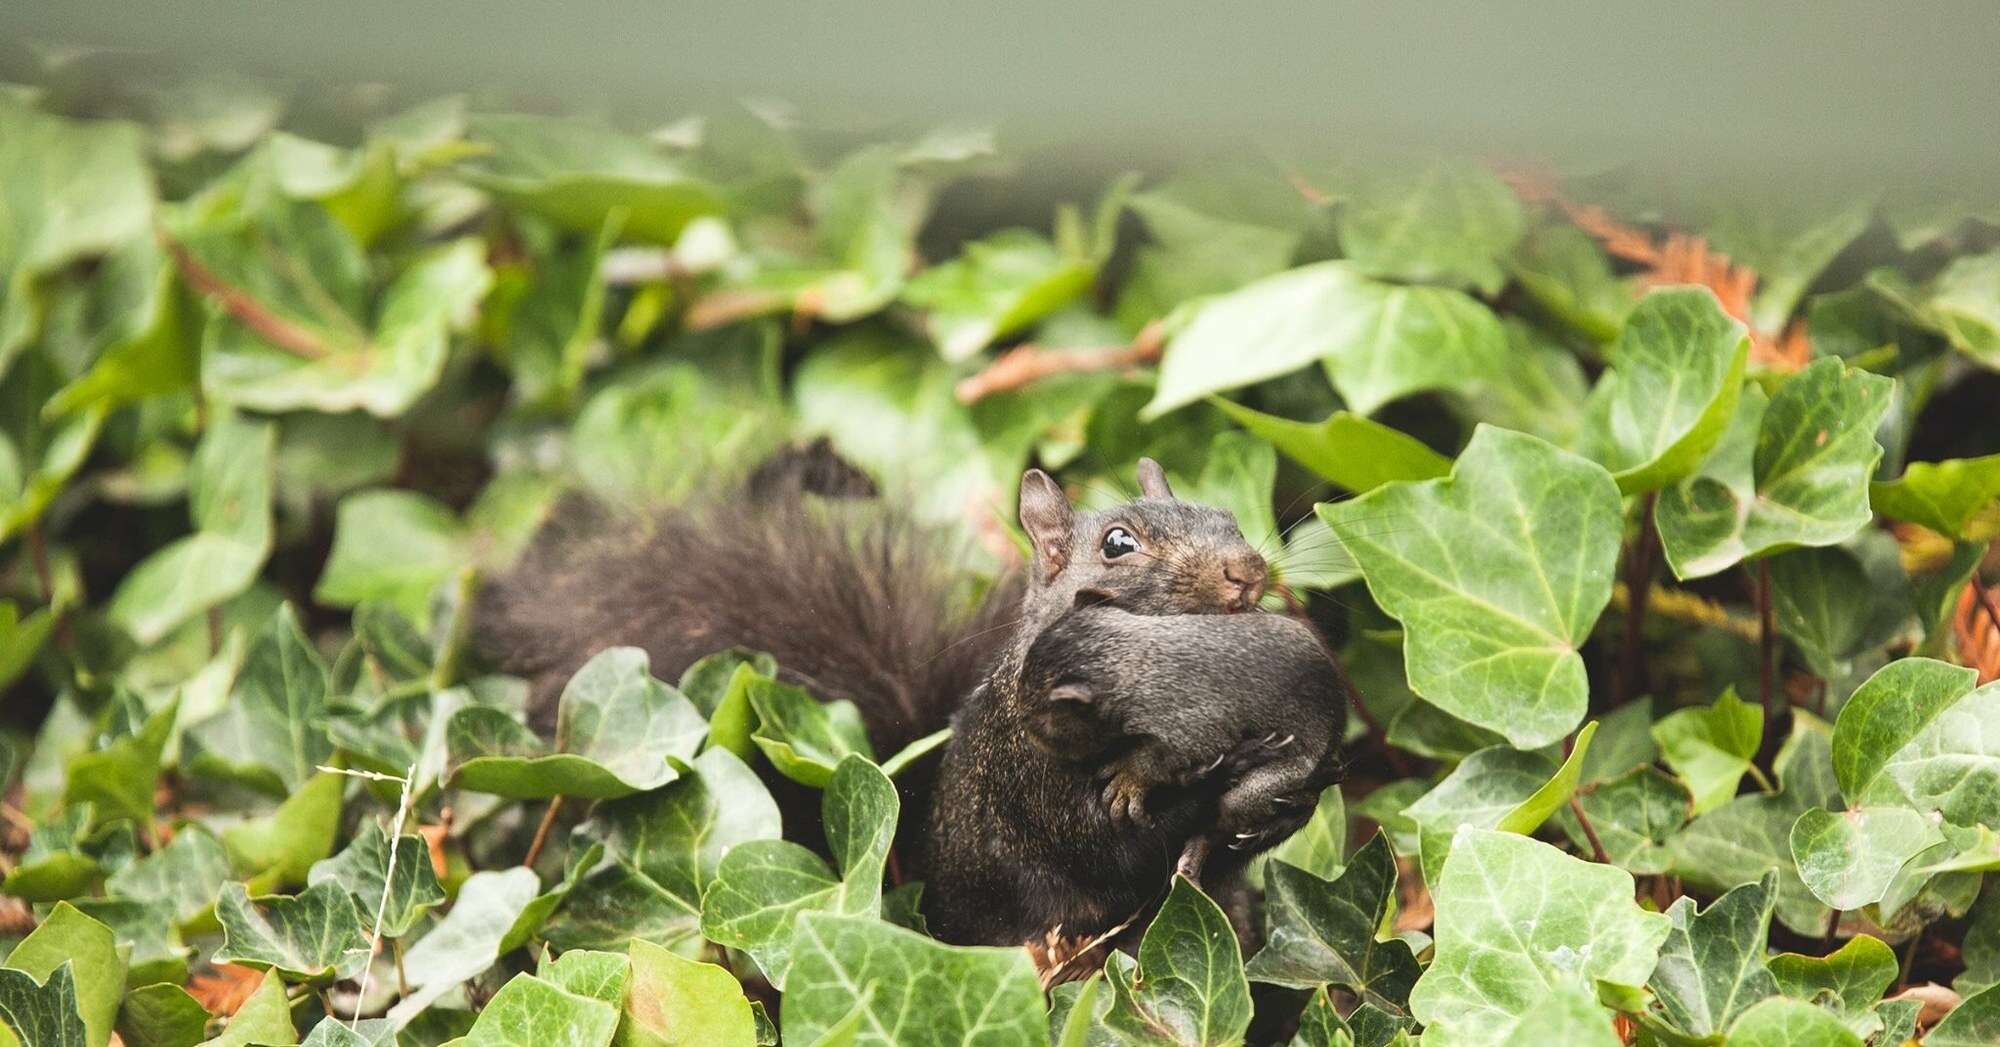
1153,480
1045,515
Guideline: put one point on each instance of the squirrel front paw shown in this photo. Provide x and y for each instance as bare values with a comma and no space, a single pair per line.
1125,798
1259,822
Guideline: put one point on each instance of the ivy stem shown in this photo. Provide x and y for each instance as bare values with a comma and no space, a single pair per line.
45,577
1589,832
1767,645
1832,931
542,832
402,980
449,660
1639,566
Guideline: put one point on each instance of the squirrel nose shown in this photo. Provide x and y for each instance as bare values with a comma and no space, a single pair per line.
1247,575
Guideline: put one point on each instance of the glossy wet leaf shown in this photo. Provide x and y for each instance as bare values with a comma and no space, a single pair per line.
616,729
1709,747
1518,920
1320,931
1789,471
1711,967
363,868
763,888
1677,369
1497,574
1917,734
315,936
911,991
1353,452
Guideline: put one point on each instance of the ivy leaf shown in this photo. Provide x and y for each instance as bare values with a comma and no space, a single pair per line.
394,547
285,843
1506,943
470,938
265,1018
681,1003
1960,305
995,287
1635,815
1450,223
364,867
1788,245
41,1013
663,850
1942,496
1974,1022
1495,788
66,938
85,190
229,494
1497,574
1789,471
803,737
1711,967
709,681
58,862
1189,988
762,887
1848,858
312,937
185,875
161,1015
530,1012
119,779
556,305
1710,748
1320,846
577,174
1827,604
1353,452
1779,1022
1850,980
909,991
1379,341
1677,370
333,1032
616,728
1211,233
1915,734
599,975
1564,272
21,639
271,734
1319,931
145,931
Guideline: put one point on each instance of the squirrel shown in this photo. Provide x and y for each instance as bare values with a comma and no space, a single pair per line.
1104,734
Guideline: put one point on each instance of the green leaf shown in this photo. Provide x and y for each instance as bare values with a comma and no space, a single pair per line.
529,1012
40,1014
1848,858
68,938
1379,341
83,188
58,862
333,1032
1788,243
1190,987
1971,1024
1494,788
21,639
995,287
1353,452
552,325
1677,370
364,867
1850,980
1634,814
911,991
599,975
392,546
266,1018
804,738
1780,1022
1942,496
663,850
1212,232
1711,967
681,1003
1564,271
146,932
1506,942
270,735
616,728
314,937
1497,574
161,1015
630,443
1916,734
119,779
708,682
577,174
762,887
229,493
185,875
1451,222
1710,748
1822,602
286,842
1962,305
1789,471
470,938
1319,931
1320,846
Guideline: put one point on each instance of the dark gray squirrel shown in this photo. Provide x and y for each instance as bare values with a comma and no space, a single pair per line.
1118,712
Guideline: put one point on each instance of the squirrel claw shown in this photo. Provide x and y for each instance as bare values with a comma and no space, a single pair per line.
1273,741
1126,800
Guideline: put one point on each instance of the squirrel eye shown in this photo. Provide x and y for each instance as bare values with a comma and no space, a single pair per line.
1117,542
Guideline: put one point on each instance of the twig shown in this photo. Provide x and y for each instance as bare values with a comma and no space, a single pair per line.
244,308
542,833
388,881
445,672
1639,589
1589,832
1767,645
1832,931
1029,363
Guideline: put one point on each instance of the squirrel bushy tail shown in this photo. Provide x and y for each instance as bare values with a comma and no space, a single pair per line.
853,597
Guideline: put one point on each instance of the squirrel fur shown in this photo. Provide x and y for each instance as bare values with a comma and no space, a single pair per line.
1090,678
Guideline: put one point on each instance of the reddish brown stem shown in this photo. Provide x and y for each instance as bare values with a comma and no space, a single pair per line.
1026,364
542,832
1589,832
1986,601
245,308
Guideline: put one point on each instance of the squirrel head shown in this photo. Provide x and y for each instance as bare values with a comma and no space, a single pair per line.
1155,554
